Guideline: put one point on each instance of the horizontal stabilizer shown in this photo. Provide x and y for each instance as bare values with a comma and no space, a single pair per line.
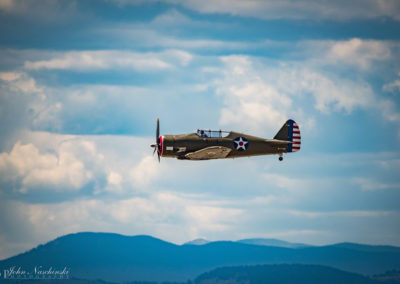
275,141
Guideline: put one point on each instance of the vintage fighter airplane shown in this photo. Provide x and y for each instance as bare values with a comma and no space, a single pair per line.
209,144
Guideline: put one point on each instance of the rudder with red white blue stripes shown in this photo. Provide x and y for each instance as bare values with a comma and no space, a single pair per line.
294,136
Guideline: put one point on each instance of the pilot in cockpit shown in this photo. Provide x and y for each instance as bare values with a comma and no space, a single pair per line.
202,133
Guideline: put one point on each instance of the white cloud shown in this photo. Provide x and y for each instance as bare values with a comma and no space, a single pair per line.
111,59
369,184
116,184
22,102
250,102
285,182
7,4
389,110
160,215
175,195
42,10
61,171
172,18
114,178
145,172
162,32
392,86
359,52
150,36
212,218
260,97
348,213
58,164
366,55
305,9
333,93
287,9
164,213
9,76
88,108
20,82
27,104
258,94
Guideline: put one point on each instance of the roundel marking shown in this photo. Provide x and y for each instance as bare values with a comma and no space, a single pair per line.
241,143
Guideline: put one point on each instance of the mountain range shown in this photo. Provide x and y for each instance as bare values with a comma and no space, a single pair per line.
114,257
260,242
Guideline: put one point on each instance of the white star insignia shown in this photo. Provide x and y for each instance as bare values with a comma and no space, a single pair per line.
241,144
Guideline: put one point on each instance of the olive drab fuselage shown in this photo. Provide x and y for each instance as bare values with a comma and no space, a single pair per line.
207,144
176,146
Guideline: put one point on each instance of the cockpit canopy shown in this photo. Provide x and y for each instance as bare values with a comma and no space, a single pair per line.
212,133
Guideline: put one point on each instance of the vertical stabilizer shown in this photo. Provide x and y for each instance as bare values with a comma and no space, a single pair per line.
290,131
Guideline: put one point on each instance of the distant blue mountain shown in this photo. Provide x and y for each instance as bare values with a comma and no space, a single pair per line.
370,248
114,257
273,243
259,242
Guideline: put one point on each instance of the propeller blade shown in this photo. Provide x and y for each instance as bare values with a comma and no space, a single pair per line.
157,145
158,139
158,132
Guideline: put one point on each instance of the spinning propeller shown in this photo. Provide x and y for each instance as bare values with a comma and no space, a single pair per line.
157,146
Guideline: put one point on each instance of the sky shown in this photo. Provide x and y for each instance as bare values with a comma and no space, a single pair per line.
83,82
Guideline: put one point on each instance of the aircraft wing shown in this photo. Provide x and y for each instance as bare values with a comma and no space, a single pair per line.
214,152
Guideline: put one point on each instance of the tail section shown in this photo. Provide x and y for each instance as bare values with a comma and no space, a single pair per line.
290,131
